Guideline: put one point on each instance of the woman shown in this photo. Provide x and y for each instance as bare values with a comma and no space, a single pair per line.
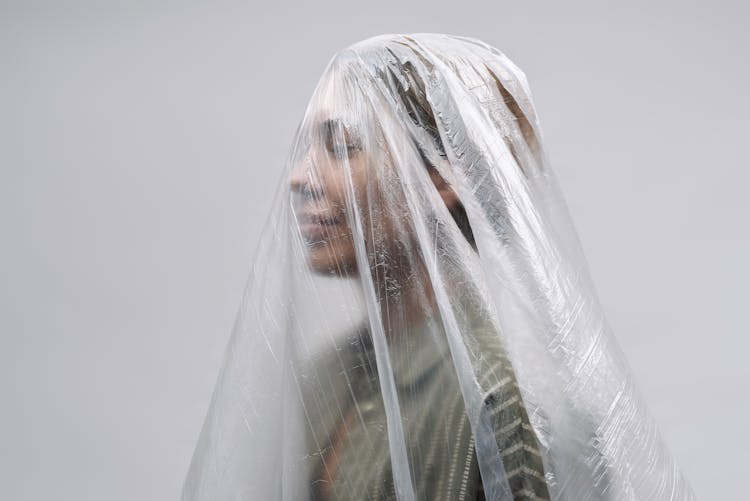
420,222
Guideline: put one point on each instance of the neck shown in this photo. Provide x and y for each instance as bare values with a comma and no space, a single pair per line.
406,305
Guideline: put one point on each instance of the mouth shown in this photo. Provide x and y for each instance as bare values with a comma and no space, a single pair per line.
316,228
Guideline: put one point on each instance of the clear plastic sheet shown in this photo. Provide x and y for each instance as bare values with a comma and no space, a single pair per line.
419,323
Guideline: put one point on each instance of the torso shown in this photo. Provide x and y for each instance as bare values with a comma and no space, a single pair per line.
348,456
348,453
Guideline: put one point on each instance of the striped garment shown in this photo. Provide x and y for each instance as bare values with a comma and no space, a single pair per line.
348,454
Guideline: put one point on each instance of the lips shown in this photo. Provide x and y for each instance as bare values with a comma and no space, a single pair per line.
316,227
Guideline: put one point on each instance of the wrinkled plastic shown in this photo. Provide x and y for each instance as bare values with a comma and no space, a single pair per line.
420,323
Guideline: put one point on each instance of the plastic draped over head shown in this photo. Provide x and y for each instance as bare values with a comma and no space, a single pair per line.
419,322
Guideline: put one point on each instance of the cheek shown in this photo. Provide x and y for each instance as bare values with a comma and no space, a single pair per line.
337,248
343,183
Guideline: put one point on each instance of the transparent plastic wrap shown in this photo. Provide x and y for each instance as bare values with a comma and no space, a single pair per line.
419,323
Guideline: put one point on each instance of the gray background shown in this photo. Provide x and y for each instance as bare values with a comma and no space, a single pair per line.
140,144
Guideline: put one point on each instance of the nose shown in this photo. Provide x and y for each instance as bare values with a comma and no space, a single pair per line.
303,179
298,176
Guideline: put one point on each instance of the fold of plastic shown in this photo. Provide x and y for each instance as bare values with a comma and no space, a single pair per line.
419,323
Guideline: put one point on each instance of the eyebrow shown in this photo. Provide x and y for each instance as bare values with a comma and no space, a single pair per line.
330,126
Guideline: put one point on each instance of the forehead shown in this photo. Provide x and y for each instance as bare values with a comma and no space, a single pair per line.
333,116
343,95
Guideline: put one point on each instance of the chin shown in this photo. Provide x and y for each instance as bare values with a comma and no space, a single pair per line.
323,261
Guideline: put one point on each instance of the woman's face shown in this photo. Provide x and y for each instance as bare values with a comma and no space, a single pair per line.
330,156
331,163
337,164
